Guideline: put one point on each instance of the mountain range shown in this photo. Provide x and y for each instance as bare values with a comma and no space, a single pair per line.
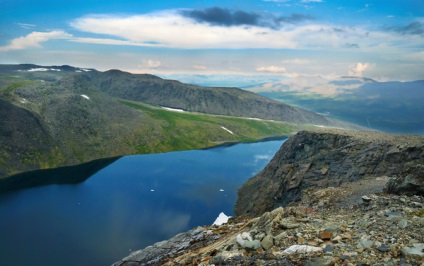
62,115
391,106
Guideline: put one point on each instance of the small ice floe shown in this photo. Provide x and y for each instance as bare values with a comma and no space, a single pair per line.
221,219
226,129
221,190
152,190
173,109
85,96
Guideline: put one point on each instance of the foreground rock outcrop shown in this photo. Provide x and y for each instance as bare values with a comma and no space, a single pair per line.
327,158
382,230
327,198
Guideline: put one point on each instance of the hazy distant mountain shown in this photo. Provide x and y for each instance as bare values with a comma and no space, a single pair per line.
61,115
388,106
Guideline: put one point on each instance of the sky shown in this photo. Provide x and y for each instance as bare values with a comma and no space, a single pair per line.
255,40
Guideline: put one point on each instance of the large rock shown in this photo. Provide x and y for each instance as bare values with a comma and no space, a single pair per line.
330,158
153,255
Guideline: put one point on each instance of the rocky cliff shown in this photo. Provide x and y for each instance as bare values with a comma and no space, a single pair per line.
329,158
338,215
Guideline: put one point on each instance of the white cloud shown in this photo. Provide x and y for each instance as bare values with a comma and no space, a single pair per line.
153,64
272,69
312,1
170,29
34,39
26,25
150,64
109,41
358,69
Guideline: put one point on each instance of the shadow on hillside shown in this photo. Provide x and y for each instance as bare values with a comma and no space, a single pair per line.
62,175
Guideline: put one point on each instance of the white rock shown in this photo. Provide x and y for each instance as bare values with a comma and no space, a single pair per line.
301,249
221,219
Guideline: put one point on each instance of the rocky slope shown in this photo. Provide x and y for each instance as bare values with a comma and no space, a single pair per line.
384,230
329,158
355,198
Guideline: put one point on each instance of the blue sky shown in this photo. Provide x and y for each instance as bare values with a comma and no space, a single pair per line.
263,39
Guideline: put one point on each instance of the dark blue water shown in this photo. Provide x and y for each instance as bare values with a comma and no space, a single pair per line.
134,202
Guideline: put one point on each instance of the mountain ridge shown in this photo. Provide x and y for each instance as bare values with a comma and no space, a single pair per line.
391,106
84,114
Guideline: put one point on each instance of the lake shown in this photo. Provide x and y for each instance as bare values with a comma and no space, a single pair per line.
133,202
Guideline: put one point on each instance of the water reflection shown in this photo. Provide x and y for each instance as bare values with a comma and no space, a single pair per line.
62,175
133,202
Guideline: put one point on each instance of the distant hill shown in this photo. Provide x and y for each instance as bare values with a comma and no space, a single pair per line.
61,115
211,100
395,107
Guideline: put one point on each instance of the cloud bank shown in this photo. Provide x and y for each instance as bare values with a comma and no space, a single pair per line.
34,40
219,28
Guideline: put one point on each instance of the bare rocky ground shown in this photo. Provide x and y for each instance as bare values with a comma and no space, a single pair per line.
331,226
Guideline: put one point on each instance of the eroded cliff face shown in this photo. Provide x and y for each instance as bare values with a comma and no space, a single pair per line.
329,158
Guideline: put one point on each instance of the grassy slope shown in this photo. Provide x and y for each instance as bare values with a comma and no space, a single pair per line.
182,131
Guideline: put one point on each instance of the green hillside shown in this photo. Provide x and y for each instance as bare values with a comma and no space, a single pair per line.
58,118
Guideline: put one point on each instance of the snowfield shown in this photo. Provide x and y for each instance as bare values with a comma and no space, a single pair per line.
173,109
226,129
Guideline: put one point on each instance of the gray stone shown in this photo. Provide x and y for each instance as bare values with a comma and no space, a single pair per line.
322,261
288,225
267,242
414,252
383,248
366,199
245,240
365,243
224,256
154,254
403,223
254,244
